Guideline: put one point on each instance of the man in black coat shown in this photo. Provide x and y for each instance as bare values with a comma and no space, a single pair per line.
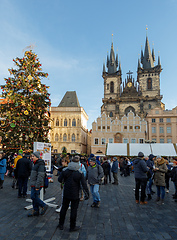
72,177
23,170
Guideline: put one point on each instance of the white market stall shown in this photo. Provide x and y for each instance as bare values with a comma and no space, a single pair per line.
163,149
132,149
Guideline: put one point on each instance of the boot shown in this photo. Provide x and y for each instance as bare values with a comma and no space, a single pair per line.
33,213
149,197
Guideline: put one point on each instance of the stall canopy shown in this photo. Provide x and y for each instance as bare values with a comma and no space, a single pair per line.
163,149
135,148
116,149
132,149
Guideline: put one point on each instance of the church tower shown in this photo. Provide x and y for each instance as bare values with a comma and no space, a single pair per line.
112,84
148,77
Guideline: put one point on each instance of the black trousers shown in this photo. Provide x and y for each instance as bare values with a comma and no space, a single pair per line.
73,215
140,183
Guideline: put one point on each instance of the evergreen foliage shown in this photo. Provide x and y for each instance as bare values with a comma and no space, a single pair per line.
24,112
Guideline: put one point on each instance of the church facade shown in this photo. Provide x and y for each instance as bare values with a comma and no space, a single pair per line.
126,104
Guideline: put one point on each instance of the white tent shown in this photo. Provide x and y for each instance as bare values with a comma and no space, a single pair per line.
132,149
116,149
135,148
163,149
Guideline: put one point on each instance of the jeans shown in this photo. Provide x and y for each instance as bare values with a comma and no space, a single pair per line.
22,185
37,202
95,192
160,190
73,214
140,182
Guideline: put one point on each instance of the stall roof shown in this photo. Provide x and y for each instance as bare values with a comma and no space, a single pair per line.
163,149
132,149
135,148
116,149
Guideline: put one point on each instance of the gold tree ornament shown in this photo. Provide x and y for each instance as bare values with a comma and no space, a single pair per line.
26,112
30,77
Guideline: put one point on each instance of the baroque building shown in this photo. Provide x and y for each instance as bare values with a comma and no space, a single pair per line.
69,125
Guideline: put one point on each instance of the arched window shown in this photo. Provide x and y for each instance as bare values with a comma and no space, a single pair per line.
57,122
65,122
149,83
111,87
73,137
128,109
111,114
56,137
149,106
74,123
64,137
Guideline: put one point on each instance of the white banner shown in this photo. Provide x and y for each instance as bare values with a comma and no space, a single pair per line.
45,153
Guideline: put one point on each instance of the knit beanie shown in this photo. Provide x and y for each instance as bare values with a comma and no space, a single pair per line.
140,154
36,154
93,160
158,156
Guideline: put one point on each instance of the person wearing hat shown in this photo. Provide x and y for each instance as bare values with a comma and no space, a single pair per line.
37,182
72,178
94,175
159,178
23,171
140,170
114,170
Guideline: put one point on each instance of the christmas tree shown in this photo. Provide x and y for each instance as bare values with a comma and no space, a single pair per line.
24,116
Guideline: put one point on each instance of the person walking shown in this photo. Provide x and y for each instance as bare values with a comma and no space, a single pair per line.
114,170
173,176
72,177
94,175
23,170
37,182
140,170
159,178
106,168
2,168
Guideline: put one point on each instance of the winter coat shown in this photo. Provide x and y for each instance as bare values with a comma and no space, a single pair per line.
3,165
38,174
82,168
114,167
106,167
23,167
94,174
173,175
159,175
150,164
16,160
140,168
72,177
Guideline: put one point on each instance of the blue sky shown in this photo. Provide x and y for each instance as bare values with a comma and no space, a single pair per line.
72,39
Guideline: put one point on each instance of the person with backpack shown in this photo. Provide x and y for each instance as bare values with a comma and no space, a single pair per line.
94,176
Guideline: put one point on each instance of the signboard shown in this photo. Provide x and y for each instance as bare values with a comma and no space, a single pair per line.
45,153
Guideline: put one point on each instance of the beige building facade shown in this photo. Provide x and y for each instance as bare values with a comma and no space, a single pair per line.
162,125
129,129
69,125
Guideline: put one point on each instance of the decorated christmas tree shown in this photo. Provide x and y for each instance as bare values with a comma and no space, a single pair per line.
24,114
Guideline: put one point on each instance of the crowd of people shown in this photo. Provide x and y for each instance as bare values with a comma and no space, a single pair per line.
77,173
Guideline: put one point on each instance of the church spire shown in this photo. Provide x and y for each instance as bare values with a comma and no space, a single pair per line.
112,62
147,59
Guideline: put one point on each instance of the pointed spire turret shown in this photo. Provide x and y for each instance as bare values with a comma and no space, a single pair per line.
159,62
139,64
147,58
104,69
120,69
153,55
112,63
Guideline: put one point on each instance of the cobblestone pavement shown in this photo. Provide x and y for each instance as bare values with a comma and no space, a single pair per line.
118,217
